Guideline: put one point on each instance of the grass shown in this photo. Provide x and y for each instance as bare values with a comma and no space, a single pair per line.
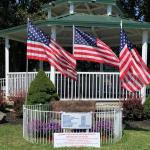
11,139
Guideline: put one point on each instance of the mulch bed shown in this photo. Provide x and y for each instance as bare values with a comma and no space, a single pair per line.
10,118
74,106
139,124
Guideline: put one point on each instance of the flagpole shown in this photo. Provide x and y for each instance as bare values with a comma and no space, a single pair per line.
73,38
27,62
119,72
73,54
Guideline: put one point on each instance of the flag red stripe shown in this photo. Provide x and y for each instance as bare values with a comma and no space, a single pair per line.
95,59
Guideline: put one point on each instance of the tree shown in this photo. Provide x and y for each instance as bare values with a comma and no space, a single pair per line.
41,90
13,13
146,10
133,8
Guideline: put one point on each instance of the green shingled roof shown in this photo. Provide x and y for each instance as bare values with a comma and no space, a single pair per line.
110,24
82,20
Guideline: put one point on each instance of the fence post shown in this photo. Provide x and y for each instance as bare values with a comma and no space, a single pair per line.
117,124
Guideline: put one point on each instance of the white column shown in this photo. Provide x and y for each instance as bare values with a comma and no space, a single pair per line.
53,36
41,65
48,16
49,13
7,64
101,67
109,13
109,10
144,57
71,9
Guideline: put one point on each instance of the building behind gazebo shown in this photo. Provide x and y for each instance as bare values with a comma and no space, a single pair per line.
100,18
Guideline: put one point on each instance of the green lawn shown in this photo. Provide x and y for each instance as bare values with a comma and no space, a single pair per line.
11,139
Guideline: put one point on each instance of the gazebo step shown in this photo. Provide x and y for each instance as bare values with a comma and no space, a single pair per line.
115,104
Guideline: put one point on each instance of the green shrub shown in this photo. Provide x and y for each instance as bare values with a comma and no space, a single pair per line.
41,90
133,109
147,108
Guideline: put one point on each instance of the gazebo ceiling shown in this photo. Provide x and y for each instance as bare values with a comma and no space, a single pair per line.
96,7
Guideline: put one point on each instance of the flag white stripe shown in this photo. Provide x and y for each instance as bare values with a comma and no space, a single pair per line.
78,46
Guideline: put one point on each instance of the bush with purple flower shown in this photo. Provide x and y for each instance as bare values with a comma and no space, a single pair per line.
43,128
104,126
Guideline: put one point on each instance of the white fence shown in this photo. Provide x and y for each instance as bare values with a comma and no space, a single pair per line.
89,85
40,123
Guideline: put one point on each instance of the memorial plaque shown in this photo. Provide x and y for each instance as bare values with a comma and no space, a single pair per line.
76,120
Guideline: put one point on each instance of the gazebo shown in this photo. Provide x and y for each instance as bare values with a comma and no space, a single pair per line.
100,18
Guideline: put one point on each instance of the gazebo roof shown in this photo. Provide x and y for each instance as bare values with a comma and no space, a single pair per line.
101,26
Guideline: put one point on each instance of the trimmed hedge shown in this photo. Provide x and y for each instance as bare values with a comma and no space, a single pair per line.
147,108
41,90
133,109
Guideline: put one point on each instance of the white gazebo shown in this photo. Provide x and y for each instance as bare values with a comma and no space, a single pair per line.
100,18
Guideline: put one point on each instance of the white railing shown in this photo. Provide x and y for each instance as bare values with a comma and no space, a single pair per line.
40,124
89,85
2,86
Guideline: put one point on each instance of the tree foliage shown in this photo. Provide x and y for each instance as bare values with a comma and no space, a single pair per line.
133,8
13,13
146,10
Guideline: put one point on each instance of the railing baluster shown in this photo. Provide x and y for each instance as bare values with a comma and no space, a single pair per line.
89,87
75,89
100,86
79,87
64,87
86,86
61,95
103,86
68,97
82,85
96,88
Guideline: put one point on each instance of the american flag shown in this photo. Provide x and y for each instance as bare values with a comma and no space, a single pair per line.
134,73
37,43
41,47
89,48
